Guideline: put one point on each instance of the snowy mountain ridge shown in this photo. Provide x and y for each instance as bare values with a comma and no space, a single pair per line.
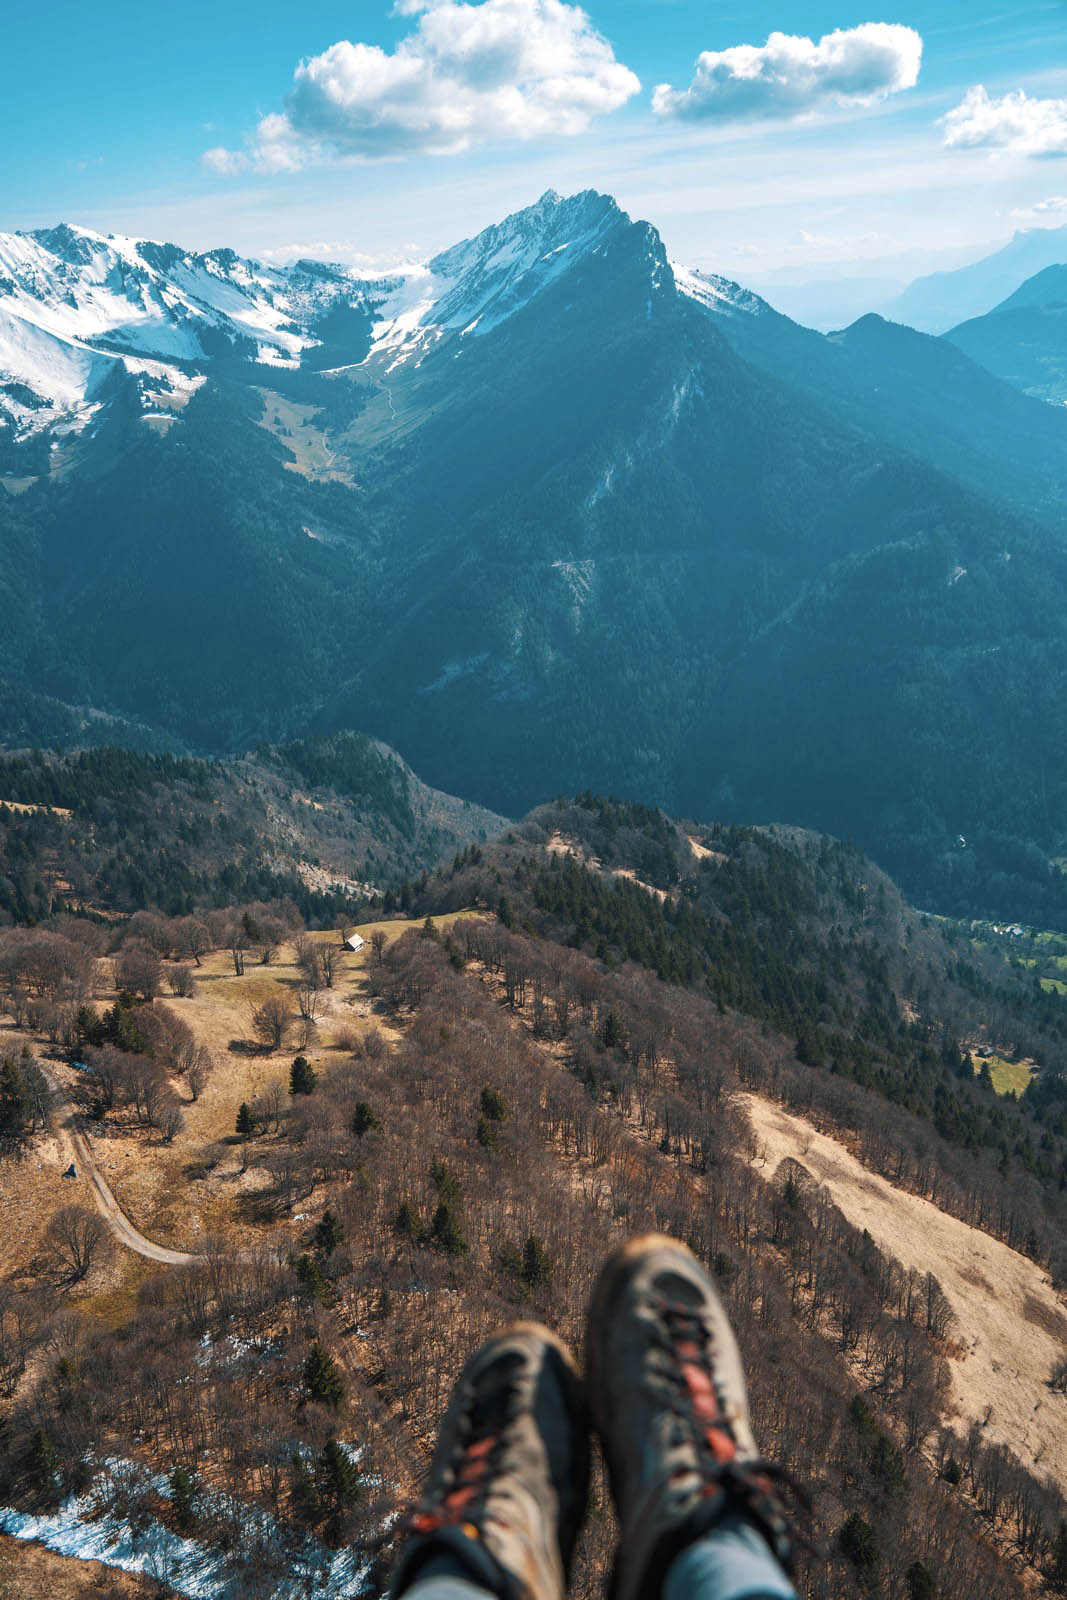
75,303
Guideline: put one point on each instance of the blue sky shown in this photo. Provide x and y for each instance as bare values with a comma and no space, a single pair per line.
110,110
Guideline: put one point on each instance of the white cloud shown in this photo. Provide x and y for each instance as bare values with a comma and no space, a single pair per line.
224,162
791,76
1055,202
1017,122
467,74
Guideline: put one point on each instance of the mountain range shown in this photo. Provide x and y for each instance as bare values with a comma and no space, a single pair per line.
940,300
546,512
1024,339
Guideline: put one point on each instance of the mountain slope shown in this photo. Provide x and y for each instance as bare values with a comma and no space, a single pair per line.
496,1099
909,389
943,299
1024,339
558,526
324,822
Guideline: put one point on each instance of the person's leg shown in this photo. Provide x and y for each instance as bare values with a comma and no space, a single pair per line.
507,1487
733,1562
445,1578
698,1514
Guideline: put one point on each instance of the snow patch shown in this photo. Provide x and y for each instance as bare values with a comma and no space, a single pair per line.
89,1527
715,293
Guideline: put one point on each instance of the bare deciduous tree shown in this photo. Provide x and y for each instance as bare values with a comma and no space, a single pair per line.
193,938
308,1002
181,982
138,969
309,960
170,1120
199,1071
270,1021
74,1239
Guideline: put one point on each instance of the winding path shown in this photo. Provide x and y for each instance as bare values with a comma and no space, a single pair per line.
81,1154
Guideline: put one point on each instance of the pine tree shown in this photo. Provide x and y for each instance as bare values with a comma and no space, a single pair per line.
338,1483
303,1493
301,1076
408,1223
328,1234
44,1465
612,1032
494,1106
183,1488
919,1582
447,1232
245,1125
809,1048
858,1544
322,1380
311,1279
363,1120
536,1263
14,1102
887,1464
446,1183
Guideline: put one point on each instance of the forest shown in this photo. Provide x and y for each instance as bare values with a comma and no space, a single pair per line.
120,831
552,1051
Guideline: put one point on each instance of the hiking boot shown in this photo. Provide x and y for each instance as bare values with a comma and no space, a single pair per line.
667,1394
508,1484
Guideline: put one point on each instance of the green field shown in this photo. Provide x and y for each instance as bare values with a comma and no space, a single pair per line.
1007,1075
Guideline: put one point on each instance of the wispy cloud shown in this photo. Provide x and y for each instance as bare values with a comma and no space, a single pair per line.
467,74
791,76
1017,122
224,162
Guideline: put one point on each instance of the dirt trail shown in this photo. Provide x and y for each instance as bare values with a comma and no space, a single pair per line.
81,1154
1011,1324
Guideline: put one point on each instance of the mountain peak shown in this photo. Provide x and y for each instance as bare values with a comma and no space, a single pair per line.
552,221
1045,289
484,279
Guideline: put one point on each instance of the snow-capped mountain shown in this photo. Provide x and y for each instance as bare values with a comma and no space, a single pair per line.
478,283
75,304
543,512
716,294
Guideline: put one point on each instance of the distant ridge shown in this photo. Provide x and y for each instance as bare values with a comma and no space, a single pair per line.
1024,339
940,300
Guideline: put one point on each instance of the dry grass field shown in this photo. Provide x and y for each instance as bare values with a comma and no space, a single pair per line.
165,1190
1010,1324
30,1572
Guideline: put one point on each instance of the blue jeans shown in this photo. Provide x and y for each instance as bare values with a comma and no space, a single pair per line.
731,1563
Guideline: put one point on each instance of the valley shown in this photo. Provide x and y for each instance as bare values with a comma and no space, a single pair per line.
494,1092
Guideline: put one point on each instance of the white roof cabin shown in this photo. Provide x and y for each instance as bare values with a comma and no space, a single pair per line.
354,942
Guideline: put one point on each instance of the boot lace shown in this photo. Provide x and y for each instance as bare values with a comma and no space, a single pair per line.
752,1488
481,1431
